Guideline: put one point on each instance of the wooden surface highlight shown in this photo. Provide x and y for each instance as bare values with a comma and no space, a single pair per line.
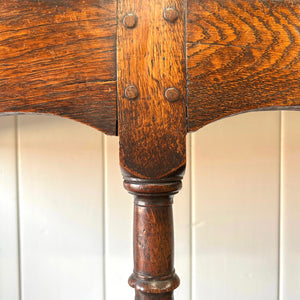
59,57
241,56
151,56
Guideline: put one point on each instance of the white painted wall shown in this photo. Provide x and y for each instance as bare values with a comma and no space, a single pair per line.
65,219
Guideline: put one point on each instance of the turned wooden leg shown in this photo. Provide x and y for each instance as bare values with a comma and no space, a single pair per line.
154,275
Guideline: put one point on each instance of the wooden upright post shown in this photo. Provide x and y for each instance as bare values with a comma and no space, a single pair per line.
152,131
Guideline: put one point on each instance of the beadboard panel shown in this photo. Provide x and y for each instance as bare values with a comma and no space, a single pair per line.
76,218
9,262
61,215
235,192
290,208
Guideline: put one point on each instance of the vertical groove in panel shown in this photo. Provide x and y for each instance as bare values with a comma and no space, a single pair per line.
18,204
104,171
282,179
290,228
9,271
193,261
281,136
191,217
190,164
192,185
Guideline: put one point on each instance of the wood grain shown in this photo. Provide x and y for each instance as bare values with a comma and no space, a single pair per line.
58,57
241,56
154,276
151,56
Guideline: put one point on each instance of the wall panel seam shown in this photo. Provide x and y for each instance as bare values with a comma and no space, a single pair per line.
104,187
17,172
281,187
190,165
192,199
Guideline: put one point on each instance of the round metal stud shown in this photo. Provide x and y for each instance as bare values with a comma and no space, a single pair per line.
131,92
171,14
130,20
172,94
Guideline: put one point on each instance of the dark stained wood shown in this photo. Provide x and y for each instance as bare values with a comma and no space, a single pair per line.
154,276
151,57
241,55
152,132
144,296
58,57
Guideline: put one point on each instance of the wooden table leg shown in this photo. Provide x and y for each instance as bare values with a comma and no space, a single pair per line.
154,276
